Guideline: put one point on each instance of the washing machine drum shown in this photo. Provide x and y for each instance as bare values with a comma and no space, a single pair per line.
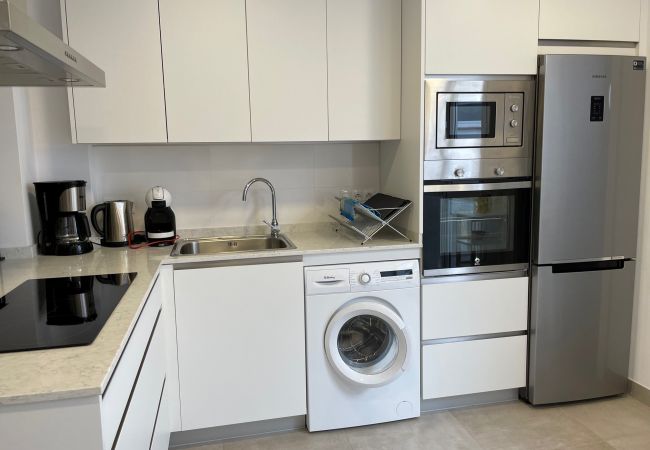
366,343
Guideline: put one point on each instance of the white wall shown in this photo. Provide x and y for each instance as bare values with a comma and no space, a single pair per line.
401,161
15,229
206,181
640,358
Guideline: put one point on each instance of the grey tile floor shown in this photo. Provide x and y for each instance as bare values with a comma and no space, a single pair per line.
619,423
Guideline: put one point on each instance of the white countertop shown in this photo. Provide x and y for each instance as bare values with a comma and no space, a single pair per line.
41,375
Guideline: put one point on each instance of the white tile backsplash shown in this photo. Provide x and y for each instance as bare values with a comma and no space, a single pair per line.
206,181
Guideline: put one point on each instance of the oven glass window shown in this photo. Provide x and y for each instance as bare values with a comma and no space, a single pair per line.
465,229
471,120
472,225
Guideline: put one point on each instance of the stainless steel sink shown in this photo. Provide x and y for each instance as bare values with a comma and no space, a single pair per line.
231,244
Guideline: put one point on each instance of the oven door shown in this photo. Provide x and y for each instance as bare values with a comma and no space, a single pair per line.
470,120
476,227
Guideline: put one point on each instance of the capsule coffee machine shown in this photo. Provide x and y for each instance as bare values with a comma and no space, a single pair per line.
64,225
159,220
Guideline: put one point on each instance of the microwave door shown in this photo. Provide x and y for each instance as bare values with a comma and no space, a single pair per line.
470,120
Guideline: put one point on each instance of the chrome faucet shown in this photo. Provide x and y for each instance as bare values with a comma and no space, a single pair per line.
275,228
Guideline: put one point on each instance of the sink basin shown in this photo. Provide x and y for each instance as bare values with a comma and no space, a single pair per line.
230,244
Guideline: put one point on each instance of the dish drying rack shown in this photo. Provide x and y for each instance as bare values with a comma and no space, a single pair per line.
368,223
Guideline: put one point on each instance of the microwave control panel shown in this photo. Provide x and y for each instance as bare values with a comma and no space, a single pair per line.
513,119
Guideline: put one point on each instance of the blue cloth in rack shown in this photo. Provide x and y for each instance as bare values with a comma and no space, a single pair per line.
347,208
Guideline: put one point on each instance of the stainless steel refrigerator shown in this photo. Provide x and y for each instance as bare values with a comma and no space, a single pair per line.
585,214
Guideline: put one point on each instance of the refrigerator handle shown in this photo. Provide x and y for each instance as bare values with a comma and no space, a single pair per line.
589,266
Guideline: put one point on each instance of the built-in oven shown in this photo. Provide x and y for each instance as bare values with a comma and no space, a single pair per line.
479,226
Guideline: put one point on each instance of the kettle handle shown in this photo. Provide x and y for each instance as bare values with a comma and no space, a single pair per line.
93,217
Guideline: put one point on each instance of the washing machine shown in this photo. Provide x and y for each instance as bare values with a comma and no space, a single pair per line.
363,341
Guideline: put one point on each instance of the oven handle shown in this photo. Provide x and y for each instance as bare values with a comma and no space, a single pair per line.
477,186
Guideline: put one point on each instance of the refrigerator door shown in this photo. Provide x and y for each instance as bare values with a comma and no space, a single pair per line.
588,158
580,330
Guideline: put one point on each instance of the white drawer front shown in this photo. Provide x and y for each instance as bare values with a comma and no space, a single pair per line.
117,393
471,367
138,427
472,308
160,440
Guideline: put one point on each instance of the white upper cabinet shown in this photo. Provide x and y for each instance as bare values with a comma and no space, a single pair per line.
287,51
590,20
123,38
364,69
206,70
481,37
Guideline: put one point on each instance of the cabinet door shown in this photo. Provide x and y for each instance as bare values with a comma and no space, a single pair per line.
590,20
364,69
479,37
471,308
241,344
287,69
139,421
470,367
160,438
123,38
206,70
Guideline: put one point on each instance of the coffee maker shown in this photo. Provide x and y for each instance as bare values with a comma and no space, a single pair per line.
64,226
159,220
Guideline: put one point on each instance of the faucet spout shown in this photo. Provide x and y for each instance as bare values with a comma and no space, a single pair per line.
275,228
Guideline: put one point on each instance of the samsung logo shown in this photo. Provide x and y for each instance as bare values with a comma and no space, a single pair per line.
70,56
599,76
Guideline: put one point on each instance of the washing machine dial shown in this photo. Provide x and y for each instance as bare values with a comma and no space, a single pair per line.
364,278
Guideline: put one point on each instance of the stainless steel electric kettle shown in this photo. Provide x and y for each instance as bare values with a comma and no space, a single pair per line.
117,222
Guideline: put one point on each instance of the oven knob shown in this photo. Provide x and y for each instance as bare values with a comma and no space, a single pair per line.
460,173
364,278
514,123
499,171
514,108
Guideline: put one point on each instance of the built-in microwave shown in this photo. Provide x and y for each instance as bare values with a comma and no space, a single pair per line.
472,118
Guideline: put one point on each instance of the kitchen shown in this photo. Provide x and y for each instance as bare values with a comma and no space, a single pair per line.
327,105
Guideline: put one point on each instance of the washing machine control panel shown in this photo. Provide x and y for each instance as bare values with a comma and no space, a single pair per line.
384,275
362,277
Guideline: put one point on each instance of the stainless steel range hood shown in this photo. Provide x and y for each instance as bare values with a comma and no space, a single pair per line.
30,55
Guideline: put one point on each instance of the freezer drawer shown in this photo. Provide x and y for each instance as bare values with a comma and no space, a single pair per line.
579,332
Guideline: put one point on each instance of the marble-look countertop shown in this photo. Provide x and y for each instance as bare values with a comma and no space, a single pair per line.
53,374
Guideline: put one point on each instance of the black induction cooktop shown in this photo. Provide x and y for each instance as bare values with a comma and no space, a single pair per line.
59,312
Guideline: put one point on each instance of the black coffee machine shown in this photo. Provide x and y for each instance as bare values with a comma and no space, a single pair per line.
64,225
159,220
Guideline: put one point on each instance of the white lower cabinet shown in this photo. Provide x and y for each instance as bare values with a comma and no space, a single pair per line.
241,343
471,367
467,333
472,308
130,414
137,428
132,406
161,431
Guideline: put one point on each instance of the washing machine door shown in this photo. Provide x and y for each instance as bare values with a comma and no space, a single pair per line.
367,343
